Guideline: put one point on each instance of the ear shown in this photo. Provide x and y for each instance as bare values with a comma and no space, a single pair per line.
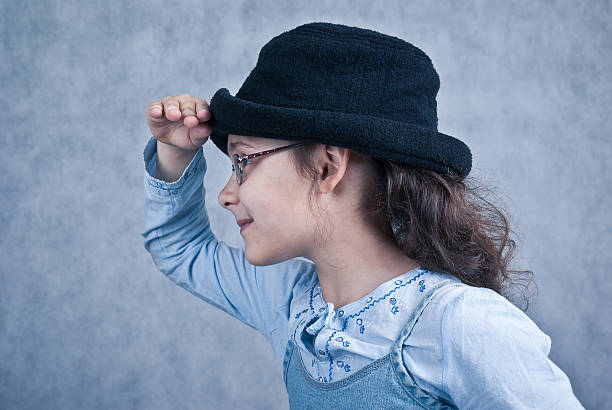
332,167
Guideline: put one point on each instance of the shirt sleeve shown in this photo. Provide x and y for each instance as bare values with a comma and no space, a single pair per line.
495,356
178,236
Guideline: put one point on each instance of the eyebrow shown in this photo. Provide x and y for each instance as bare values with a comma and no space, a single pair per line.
234,144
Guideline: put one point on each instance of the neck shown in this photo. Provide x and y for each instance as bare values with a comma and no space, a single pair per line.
353,264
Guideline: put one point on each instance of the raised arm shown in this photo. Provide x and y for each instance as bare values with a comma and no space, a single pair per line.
177,234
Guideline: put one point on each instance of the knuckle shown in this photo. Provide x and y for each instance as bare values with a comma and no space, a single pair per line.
187,107
184,98
170,104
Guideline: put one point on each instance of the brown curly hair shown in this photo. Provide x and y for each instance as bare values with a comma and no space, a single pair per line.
444,222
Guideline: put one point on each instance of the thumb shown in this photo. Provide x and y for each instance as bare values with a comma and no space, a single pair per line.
199,134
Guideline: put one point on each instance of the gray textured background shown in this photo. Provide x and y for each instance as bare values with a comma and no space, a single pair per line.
86,320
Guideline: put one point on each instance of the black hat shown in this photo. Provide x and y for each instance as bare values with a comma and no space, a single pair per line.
343,86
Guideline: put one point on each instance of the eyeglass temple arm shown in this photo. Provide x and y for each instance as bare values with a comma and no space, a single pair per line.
259,154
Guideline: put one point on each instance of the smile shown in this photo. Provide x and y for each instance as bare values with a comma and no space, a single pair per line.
243,227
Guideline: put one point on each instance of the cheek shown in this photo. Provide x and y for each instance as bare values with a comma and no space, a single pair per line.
277,204
291,194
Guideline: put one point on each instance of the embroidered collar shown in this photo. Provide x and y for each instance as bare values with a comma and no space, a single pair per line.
344,340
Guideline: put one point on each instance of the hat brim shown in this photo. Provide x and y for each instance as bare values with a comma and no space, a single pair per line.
370,135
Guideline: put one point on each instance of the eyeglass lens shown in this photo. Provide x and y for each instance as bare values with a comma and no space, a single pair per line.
237,168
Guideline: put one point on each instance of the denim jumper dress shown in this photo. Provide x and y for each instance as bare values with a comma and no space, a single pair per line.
382,384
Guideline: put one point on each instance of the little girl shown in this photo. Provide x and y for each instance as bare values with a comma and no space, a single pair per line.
337,159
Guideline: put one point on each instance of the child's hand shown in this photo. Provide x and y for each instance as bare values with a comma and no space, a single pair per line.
180,121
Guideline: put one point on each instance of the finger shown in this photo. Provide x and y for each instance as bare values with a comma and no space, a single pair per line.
171,106
187,105
156,108
201,131
199,134
202,110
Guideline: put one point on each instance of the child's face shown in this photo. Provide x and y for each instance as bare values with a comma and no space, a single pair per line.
274,196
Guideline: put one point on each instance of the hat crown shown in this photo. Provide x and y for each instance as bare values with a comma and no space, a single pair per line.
345,86
337,68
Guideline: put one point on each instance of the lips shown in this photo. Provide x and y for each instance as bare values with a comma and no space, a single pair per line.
242,222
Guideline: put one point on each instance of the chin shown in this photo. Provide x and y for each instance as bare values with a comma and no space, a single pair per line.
263,259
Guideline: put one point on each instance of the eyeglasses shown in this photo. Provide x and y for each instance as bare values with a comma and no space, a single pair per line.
238,163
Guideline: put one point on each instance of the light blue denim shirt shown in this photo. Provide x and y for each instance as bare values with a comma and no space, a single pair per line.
470,347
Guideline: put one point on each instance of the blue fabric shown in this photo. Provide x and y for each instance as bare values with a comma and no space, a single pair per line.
337,343
470,347
362,389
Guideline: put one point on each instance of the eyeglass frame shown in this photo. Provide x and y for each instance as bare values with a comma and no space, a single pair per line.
239,163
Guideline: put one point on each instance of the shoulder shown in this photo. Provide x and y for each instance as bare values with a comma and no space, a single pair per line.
458,309
473,347
488,319
490,346
479,326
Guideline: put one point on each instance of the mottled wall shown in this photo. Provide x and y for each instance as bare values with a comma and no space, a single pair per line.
86,320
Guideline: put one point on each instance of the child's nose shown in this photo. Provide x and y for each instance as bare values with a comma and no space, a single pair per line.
228,196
